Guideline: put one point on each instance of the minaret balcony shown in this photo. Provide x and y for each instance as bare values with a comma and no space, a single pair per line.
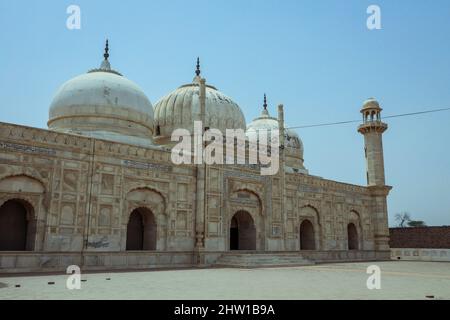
374,125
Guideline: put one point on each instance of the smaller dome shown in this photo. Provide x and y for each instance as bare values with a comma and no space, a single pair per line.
371,103
292,142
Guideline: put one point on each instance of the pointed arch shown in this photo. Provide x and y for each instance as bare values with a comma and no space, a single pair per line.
141,230
246,199
253,192
242,231
22,183
144,221
309,228
352,236
23,171
147,196
354,230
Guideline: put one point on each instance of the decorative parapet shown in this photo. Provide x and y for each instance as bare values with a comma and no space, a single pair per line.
35,140
39,137
317,183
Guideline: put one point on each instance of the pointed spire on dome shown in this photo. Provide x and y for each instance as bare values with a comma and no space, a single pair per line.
197,77
197,71
265,112
106,55
105,65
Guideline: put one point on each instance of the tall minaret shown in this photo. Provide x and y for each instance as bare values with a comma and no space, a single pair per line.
372,129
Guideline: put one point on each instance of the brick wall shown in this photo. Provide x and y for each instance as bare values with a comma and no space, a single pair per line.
420,237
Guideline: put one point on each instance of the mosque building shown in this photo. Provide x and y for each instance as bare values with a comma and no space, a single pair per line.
98,188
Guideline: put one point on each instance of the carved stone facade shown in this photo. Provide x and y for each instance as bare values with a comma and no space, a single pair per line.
79,193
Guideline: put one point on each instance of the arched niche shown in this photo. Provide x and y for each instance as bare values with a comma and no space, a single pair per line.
21,184
307,235
242,232
17,226
352,237
141,230
148,206
249,202
354,231
310,214
22,193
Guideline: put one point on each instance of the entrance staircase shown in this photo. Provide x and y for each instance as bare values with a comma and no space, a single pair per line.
249,259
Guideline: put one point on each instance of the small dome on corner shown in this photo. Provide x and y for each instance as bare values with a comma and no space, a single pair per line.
371,103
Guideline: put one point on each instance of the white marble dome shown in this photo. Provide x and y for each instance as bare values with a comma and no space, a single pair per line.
292,142
265,121
103,104
181,107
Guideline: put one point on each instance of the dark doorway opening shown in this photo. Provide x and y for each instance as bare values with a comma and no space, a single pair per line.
242,232
234,235
135,231
141,230
352,235
307,241
13,226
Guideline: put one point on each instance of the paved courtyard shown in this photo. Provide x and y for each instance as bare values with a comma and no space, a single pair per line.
399,280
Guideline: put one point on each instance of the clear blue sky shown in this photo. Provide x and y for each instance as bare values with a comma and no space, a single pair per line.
316,57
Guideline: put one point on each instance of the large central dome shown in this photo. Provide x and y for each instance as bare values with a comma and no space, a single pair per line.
180,108
103,104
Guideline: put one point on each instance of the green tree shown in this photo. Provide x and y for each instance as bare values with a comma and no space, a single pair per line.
416,223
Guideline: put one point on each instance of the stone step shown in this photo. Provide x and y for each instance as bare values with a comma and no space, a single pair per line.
255,260
268,258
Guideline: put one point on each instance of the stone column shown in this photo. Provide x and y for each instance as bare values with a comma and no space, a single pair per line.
200,185
281,171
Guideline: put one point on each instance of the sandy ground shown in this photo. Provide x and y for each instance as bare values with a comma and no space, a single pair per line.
399,280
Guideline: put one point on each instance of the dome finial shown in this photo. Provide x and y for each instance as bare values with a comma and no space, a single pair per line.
197,71
105,66
106,55
105,63
264,112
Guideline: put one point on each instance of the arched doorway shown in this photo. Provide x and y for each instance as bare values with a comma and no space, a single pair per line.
307,240
242,232
141,230
352,235
15,231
